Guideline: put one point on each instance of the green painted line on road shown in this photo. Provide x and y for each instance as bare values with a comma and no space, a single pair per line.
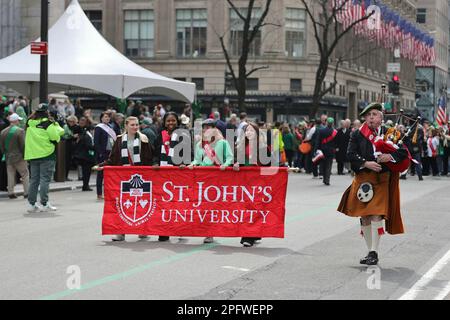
172,258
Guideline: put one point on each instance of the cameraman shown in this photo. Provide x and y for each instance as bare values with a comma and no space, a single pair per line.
42,136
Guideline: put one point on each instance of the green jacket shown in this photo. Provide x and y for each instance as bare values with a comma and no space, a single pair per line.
41,138
223,152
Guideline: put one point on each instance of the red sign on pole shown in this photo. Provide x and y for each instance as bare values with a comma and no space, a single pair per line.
40,48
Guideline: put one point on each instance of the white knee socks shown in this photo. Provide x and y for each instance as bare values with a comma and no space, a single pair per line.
377,232
367,234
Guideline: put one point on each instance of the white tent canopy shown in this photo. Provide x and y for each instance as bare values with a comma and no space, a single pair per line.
79,57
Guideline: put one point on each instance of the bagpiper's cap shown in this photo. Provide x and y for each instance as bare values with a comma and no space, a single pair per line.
372,106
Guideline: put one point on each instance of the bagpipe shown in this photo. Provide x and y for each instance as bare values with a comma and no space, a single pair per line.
393,139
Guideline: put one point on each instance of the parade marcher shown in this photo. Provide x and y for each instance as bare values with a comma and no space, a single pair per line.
104,138
326,143
415,147
213,150
250,147
166,141
130,149
342,140
12,145
42,136
374,194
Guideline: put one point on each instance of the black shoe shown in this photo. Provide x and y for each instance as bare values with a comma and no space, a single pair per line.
326,183
25,196
87,189
372,258
420,178
364,260
12,196
163,238
247,242
403,177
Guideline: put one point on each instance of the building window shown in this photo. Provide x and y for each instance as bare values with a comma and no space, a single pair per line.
237,33
95,16
252,84
295,32
296,84
191,32
199,83
139,33
359,94
421,15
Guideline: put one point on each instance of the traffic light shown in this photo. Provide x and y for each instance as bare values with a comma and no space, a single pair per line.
394,85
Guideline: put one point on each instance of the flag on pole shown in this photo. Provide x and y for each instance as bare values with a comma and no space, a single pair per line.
442,117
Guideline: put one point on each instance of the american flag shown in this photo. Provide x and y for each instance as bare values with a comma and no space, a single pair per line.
442,117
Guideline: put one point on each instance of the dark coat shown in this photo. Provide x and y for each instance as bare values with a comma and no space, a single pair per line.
100,141
342,140
84,148
329,148
360,150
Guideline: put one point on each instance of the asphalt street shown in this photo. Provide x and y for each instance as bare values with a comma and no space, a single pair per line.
318,259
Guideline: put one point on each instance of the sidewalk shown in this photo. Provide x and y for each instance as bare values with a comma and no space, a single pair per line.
58,186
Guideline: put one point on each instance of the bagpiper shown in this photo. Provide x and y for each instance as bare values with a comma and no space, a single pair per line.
374,195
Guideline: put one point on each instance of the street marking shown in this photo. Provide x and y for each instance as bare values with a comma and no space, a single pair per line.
236,268
444,293
173,258
419,286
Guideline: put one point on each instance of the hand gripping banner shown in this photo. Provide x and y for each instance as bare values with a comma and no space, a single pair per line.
204,202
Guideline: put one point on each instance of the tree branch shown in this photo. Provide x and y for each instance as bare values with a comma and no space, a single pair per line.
255,69
236,10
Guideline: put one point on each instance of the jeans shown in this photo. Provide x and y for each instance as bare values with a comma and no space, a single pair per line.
41,174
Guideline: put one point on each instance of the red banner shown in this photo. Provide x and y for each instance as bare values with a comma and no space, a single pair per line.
204,202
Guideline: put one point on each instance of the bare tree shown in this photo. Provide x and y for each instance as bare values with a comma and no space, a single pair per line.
249,34
328,33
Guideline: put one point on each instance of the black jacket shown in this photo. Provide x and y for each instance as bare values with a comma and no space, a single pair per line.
360,150
342,140
84,148
329,148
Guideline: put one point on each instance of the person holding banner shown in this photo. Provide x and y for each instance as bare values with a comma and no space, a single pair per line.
249,148
213,150
165,144
374,195
130,149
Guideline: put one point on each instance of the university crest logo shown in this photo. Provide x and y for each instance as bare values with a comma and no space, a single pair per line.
136,204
